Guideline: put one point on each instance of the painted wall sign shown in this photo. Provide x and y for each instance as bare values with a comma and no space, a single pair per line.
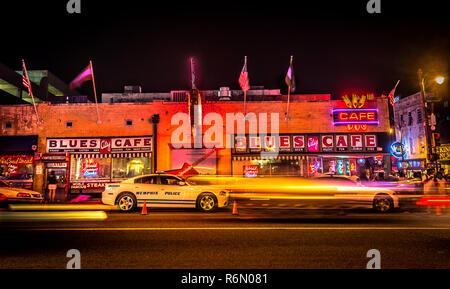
100,145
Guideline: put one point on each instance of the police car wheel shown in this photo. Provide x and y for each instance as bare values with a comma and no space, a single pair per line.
207,202
127,202
383,203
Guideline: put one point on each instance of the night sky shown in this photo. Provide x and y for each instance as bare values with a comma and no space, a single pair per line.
338,47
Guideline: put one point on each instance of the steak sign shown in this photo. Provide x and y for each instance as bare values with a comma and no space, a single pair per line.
100,145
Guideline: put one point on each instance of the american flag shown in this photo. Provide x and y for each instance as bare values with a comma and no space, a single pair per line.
25,80
391,94
243,78
290,77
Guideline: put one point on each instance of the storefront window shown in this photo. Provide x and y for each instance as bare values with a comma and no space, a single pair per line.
130,167
90,168
341,166
16,167
267,167
16,172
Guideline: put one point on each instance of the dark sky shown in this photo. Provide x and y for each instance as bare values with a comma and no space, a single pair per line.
338,47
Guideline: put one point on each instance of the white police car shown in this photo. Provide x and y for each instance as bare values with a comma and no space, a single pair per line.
163,191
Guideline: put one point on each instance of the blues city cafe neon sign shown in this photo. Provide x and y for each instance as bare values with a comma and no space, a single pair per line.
313,143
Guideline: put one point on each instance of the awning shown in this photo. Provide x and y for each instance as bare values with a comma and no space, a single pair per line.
259,157
115,155
18,144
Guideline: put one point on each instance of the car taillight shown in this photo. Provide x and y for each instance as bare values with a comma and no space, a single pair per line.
23,195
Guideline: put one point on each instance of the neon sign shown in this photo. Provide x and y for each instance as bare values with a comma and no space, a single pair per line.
352,167
356,101
313,143
340,167
251,171
398,149
348,116
357,127
90,168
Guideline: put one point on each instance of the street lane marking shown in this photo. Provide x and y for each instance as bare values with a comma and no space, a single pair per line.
234,228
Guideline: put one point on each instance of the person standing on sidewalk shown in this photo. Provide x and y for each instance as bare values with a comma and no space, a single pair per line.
51,181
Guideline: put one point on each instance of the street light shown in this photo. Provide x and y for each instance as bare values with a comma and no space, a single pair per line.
439,79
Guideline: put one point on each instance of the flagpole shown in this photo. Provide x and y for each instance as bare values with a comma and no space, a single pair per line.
398,81
289,96
289,92
35,109
245,91
31,90
95,91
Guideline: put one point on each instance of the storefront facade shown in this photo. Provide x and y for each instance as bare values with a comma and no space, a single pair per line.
309,154
93,162
320,135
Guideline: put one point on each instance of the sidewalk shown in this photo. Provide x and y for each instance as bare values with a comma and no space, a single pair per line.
60,199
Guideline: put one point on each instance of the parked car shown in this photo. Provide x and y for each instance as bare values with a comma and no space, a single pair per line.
17,195
163,191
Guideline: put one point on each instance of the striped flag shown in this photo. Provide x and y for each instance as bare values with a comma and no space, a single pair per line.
290,77
243,77
25,80
391,94
85,75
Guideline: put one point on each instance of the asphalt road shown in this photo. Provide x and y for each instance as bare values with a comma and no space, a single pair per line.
254,239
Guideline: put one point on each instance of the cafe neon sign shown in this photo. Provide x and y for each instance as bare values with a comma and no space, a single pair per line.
355,117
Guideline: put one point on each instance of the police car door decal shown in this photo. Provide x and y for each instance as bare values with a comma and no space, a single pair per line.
172,194
147,191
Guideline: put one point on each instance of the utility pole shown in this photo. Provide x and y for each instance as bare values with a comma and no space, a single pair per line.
425,112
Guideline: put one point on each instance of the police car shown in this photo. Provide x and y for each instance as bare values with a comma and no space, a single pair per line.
163,190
